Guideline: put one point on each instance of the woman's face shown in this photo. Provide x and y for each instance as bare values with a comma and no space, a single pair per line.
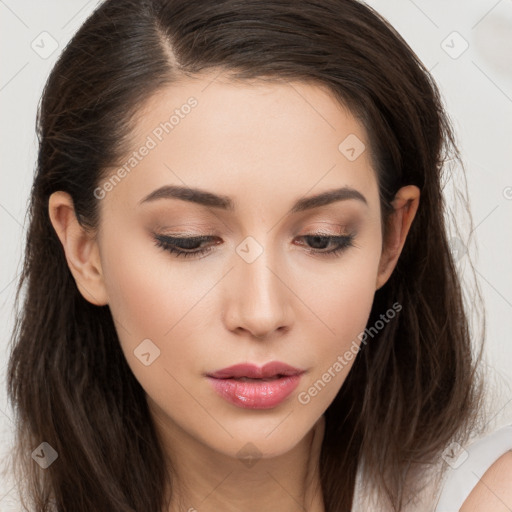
266,290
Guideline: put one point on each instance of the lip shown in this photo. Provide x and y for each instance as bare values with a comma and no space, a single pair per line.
260,393
256,372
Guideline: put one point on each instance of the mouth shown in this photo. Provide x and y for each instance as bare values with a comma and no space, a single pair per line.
250,379
272,370
252,387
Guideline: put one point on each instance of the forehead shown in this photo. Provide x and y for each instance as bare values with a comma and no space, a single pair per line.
216,134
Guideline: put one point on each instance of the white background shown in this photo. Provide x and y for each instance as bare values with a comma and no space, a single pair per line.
477,91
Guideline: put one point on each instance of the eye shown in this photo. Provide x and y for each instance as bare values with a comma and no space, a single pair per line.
320,241
185,247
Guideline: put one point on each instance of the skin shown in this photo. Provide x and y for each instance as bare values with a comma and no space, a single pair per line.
494,490
264,146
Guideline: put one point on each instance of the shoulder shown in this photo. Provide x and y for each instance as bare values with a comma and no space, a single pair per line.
494,490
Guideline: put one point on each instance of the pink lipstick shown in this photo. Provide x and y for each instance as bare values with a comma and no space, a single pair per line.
252,387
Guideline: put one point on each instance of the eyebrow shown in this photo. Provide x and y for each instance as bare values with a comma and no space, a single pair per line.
205,198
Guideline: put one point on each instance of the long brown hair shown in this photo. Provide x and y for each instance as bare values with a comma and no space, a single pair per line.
413,389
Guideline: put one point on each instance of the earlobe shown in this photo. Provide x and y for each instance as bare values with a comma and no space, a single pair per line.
405,206
81,249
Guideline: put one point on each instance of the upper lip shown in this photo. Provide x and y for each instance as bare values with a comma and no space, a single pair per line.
256,372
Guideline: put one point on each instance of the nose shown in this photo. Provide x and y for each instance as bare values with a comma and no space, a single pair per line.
257,299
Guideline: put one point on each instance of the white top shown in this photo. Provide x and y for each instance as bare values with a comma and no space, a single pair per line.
449,483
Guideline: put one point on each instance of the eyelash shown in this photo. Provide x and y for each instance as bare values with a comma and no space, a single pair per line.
168,243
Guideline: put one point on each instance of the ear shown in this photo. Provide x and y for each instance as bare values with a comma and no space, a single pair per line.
80,247
405,206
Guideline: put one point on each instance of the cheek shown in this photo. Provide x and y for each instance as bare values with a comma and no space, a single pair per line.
149,289
341,299
344,302
341,295
150,297
139,295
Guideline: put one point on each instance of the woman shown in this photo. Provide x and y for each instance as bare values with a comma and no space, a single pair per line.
240,291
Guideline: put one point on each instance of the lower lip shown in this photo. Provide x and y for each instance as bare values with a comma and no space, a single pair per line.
255,394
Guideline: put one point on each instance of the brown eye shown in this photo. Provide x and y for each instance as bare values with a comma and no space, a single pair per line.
319,242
